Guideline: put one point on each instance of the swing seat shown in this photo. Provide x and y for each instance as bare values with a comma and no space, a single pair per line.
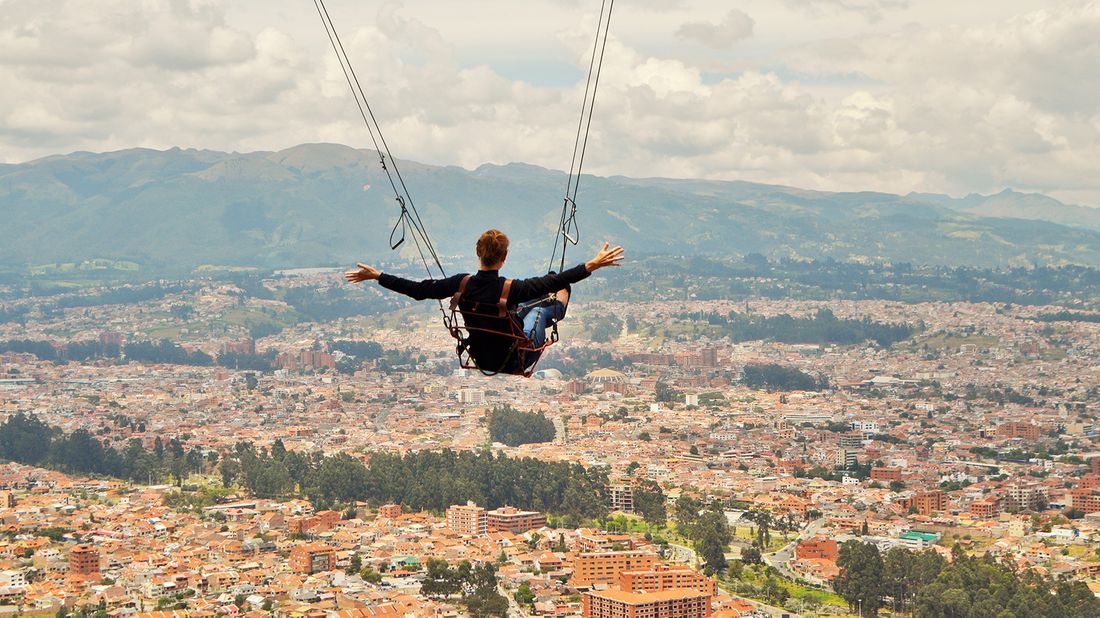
490,338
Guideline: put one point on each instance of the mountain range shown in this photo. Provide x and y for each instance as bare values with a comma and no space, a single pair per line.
173,211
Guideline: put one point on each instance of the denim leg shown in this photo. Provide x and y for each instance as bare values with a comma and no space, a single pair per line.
538,319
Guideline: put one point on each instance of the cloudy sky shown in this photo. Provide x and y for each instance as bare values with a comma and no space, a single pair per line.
890,95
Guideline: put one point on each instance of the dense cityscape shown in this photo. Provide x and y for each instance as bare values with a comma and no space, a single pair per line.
280,445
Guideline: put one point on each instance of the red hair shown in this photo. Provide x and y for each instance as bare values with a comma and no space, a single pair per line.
492,247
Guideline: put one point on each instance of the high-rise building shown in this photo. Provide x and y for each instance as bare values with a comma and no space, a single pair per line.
468,519
389,511
676,602
925,502
511,519
621,497
590,569
84,560
472,396
312,558
664,577
1018,429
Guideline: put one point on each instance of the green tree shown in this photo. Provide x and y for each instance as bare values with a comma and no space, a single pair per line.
355,564
524,594
513,427
649,502
860,579
712,535
751,555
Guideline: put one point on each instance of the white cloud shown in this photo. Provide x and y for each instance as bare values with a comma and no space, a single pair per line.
959,107
871,9
735,26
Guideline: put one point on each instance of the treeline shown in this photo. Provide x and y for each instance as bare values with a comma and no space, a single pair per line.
335,303
773,377
26,439
707,527
430,481
510,426
14,314
605,328
476,586
356,353
822,328
162,352
360,350
127,295
755,276
925,584
1067,316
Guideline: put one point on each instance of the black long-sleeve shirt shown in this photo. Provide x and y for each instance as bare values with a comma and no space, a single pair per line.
485,287
491,351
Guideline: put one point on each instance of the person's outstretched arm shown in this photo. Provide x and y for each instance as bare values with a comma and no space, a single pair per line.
529,289
419,290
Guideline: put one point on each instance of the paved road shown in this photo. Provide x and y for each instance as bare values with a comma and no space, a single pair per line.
559,429
514,609
680,553
779,559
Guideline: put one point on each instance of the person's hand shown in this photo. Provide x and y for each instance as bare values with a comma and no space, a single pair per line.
606,257
365,273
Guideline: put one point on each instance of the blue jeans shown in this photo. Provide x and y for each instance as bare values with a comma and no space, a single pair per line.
538,318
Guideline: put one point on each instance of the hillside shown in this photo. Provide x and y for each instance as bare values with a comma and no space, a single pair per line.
172,211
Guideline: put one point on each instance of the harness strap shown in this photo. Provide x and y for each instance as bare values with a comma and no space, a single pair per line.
458,295
502,306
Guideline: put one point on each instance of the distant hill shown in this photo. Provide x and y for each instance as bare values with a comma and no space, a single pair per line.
172,211
1012,204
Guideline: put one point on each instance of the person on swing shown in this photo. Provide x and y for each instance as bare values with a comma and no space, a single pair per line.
487,293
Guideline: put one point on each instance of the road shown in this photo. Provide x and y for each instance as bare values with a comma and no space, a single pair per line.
559,429
779,559
680,553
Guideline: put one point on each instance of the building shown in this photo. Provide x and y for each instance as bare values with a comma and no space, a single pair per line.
850,441
84,560
589,540
390,511
986,507
511,519
621,497
1085,500
1018,429
471,396
312,558
664,577
885,474
917,540
864,426
322,521
1020,498
7,500
925,502
677,602
846,458
817,548
305,359
590,569
468,519
247,346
